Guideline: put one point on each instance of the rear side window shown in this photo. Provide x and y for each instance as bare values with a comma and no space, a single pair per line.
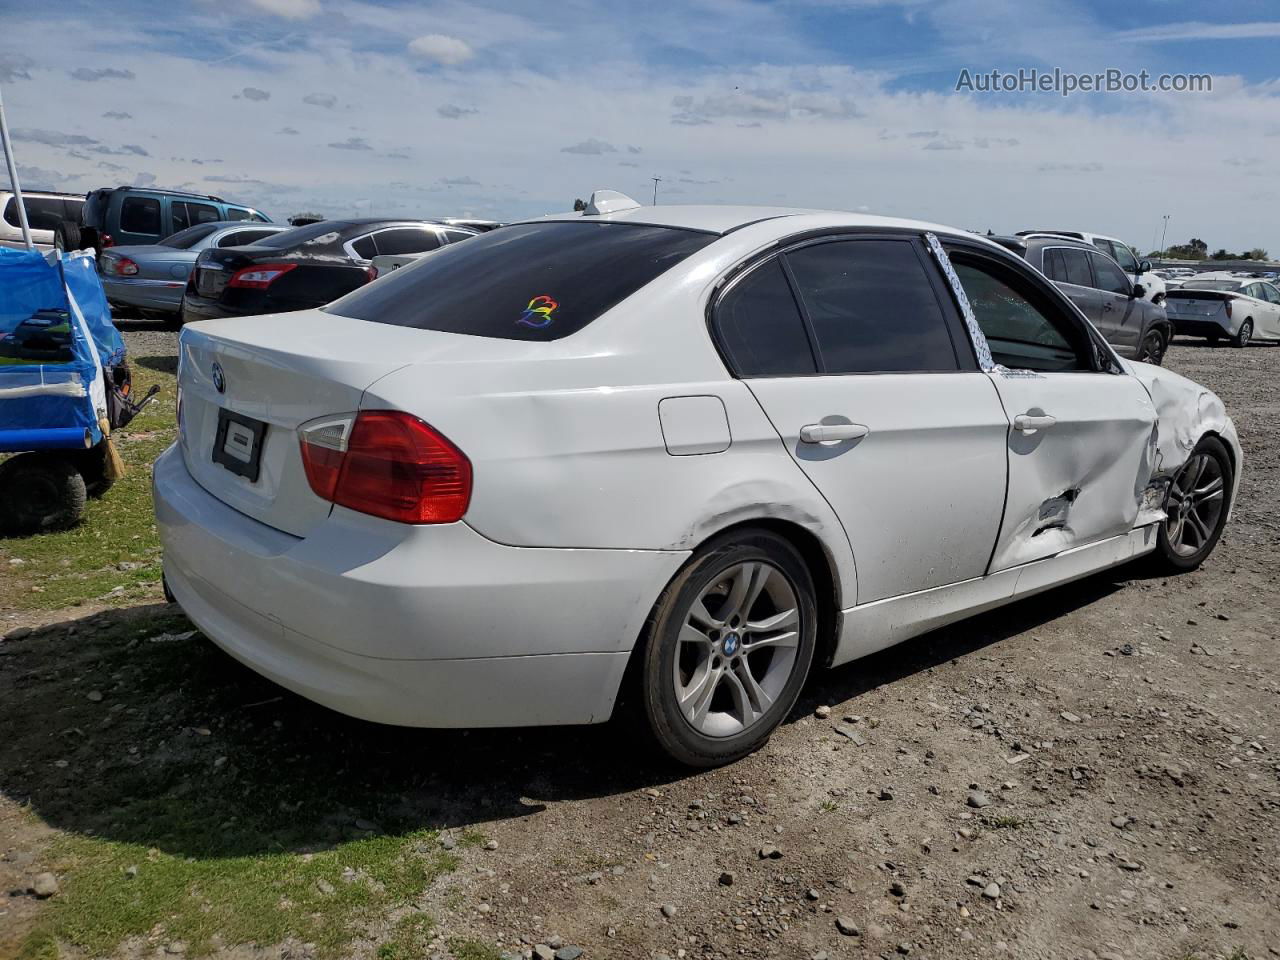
1075,264
760,327
872,307
43,213
202,213
403,240
238,213
533,281
244,237
366,248
140,215
457,236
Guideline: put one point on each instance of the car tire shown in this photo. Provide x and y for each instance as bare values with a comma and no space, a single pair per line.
66,236
1197,504
39,492
1243,335
1153,347
727,648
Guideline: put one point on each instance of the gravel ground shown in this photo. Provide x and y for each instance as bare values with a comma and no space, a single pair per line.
1091,773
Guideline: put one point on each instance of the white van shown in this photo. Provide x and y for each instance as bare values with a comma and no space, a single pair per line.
44,212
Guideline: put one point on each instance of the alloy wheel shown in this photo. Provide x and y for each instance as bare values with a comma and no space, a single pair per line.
737,649
1196,499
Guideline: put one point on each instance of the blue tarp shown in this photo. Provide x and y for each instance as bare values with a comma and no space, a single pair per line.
50,352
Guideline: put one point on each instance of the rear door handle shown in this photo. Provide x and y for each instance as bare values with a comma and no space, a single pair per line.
832,432
1029,423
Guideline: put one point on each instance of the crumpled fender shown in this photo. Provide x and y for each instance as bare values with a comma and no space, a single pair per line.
1185,412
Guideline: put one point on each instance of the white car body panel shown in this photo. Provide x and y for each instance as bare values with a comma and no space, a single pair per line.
602,460
1264,314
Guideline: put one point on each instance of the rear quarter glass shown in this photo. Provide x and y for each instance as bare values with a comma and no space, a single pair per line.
537,281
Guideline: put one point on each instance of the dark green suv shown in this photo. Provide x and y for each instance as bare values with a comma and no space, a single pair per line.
120,216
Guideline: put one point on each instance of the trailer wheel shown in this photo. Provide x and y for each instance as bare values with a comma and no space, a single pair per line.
39,492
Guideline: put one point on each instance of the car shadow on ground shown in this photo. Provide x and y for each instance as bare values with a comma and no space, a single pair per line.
129,726
161,363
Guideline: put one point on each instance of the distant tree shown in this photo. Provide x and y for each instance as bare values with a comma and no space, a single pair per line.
1257,253
1193,249
1223,254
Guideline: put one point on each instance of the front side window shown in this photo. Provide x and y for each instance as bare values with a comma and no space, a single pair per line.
1124,256
532,281
1021,334
140,215
1105,246
1110,277
402,240
1270,292
760,328
872,307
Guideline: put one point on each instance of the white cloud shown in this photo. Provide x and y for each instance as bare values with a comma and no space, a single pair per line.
35,178
451,111
288,9
1201,31
326,100
255,93
443,49
352,143
590,147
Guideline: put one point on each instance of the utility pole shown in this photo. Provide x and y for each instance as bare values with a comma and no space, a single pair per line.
656,181
13,178
1164,234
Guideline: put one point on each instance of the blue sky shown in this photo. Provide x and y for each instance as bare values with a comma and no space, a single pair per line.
511,109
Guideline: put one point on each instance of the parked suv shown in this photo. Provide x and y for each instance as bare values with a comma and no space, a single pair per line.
1140,270
1135,326
44,212
138,216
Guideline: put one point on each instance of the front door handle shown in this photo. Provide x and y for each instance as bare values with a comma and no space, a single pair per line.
1030,423
832,432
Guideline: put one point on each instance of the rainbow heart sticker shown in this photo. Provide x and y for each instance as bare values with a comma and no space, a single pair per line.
538,313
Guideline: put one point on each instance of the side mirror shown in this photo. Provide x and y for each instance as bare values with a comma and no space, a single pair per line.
1139,291
1144,266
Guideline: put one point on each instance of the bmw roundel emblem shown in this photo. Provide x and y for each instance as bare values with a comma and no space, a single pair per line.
730,644
219,378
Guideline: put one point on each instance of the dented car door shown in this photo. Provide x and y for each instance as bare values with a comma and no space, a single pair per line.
1080,429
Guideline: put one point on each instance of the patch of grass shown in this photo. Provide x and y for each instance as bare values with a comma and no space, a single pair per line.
465,949
321,898
409,940
116,546
828,806
188,812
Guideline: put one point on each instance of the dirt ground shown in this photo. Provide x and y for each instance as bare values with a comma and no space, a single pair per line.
1091,773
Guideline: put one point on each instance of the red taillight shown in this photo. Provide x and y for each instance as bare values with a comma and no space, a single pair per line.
1228,309
371,273
388,464
259,276
107,241
124,266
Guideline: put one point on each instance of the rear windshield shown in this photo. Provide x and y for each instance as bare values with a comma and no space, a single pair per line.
188,238
533,281
308,234
1211,285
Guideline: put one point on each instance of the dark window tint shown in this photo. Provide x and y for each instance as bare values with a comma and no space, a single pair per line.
322,234
406,240
365,247
760,327
1075,266
457,236
534,281
140,215
202,213
188,238
1054,268
1270,292
243,238
872,307
1104,246
1021,336
238,213
43,213
1110,277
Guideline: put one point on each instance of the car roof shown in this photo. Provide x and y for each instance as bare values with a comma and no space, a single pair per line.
724,219
1059,240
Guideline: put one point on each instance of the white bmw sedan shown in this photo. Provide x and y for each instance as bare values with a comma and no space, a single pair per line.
662,458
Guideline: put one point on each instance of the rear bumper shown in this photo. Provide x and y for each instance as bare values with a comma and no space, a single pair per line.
1200,328
195,308
148,294
417,626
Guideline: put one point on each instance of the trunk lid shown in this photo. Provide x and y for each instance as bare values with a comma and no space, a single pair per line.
215,266
278,372
1196,303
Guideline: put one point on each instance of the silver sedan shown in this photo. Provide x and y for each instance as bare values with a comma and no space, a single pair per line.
152,278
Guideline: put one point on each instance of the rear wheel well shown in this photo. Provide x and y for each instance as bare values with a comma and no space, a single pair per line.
821,567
